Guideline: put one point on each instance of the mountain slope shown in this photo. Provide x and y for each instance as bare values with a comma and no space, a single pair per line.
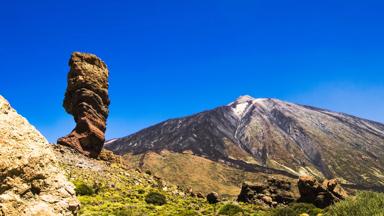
198,173
272,136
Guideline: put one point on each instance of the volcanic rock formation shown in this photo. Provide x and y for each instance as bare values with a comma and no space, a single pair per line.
321,195
87,100
31,182
270,193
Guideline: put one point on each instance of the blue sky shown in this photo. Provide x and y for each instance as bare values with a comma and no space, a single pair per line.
173,58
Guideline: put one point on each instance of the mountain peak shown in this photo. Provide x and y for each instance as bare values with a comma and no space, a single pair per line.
241,105
247,98
244,98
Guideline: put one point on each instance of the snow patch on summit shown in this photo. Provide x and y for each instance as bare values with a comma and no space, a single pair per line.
240,106
239,109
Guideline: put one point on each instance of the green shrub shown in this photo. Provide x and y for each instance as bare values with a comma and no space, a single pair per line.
230,209
123,212
365,203
83,189
296,209
189,213
155,198
127,211
282,211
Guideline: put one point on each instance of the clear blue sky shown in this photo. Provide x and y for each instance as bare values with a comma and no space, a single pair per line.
173,58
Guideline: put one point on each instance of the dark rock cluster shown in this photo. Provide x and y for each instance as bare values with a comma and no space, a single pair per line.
270,193
213,198
320,194
87,100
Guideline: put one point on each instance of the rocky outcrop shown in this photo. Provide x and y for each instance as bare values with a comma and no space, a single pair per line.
31,182
270,193
321,195
87,100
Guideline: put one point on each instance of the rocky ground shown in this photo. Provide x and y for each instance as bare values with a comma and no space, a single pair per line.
107,186
111,188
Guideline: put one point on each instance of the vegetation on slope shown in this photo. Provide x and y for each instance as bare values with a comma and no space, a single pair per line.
365,203
109,188
136,193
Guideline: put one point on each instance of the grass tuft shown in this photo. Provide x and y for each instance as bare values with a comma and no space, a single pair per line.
231,210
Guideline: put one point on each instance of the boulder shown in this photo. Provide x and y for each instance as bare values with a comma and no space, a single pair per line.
321,195
269,193
213,198
335,188
87,100
249,192
31,182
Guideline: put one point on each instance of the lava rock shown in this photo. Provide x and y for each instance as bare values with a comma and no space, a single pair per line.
321,195
213,198
87,100
270,193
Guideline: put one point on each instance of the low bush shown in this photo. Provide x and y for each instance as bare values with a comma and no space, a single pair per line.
189,213
82,189
230,209
156,198
364,204
296,209
127,211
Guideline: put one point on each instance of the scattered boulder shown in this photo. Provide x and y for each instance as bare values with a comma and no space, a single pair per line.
335,188
200,195
87,100
31,182
191,192
270,193
321,195
213,198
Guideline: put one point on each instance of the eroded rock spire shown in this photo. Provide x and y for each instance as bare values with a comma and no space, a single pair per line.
87,100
